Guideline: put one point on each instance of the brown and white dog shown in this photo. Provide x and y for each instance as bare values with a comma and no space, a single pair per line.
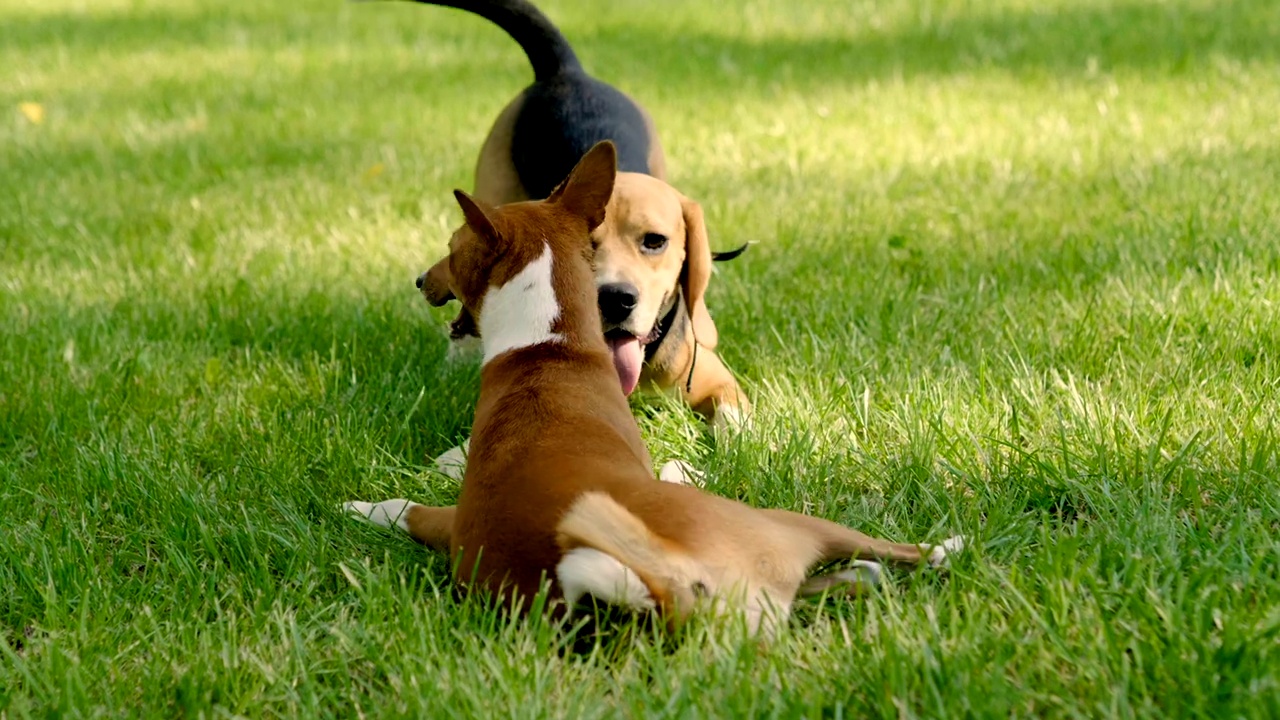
652,257
559,484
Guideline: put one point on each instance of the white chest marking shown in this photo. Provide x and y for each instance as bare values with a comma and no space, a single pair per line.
520,313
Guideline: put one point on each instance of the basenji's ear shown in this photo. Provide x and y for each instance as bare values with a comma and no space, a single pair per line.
477,213
436,284
696,274
587,189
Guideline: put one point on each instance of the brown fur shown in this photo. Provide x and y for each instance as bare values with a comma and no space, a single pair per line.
640,204
557,461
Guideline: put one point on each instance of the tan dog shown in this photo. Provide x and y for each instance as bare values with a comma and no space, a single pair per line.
559,485
653,258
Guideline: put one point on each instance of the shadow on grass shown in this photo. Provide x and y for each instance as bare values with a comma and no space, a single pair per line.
1165,37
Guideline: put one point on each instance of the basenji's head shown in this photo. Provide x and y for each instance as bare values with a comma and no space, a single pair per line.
523,271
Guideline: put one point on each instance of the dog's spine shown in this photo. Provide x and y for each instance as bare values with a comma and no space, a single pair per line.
548,51
599,522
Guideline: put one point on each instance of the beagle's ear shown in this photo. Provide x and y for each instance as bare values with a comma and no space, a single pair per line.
477,213
436,284
696,274
587,189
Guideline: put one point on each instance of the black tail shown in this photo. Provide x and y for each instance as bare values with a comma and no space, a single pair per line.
548,51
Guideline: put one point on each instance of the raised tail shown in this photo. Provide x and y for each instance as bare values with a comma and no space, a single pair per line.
598,522
547,50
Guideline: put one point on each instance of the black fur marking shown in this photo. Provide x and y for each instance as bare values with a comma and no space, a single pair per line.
565,111
562,118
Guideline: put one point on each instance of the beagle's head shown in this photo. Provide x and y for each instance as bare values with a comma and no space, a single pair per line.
651,246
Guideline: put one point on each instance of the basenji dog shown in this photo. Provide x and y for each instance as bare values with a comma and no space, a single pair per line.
559,485
653,258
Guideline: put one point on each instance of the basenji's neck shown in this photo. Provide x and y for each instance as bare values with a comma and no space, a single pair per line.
524,311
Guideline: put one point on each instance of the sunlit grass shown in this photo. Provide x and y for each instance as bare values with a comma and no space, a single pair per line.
1015,275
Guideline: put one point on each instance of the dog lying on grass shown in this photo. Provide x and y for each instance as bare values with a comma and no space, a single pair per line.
559,484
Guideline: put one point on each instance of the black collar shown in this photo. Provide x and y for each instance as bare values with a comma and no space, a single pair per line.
665,325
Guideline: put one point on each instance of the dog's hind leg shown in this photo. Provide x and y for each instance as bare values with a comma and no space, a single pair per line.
861,577
837,542
431,526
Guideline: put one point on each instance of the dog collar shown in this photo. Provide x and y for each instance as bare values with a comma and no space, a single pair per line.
664,326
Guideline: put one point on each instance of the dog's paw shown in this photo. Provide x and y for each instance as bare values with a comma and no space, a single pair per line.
728,418
861,576
939,554
387,514
453,463
679,472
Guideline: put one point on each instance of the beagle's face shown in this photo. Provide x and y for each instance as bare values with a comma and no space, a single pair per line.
639,254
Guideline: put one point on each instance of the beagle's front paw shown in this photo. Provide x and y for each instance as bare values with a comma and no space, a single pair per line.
728,418
453,463
679,472
387,514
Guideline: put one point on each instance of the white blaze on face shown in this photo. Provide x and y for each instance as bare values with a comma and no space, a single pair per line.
520,313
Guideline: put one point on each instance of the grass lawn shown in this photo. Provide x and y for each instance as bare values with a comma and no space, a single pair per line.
1017,275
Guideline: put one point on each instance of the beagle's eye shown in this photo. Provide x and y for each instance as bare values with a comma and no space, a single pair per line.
653,243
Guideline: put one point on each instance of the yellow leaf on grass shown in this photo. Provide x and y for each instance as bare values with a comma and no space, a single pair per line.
374,171
212,371
33,111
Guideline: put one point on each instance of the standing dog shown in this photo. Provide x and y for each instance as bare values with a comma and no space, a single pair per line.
652,255
559,484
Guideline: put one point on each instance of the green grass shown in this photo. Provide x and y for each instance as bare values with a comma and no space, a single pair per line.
1017,275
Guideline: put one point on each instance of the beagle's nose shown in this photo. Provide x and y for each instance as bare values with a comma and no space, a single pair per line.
421,277
617,300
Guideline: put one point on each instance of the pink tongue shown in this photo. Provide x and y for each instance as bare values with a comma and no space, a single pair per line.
627,356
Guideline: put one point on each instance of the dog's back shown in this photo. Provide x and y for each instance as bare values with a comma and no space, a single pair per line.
565,112
549,426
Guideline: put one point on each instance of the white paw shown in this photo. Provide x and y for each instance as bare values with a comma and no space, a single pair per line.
679,472
728,417
939,554
387,514
863,575
453,463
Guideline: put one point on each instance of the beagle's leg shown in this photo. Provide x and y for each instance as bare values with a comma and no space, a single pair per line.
837,542
431,526
453,463
714,393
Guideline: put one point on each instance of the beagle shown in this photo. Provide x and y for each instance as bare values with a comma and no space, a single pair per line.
652,257
559,484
